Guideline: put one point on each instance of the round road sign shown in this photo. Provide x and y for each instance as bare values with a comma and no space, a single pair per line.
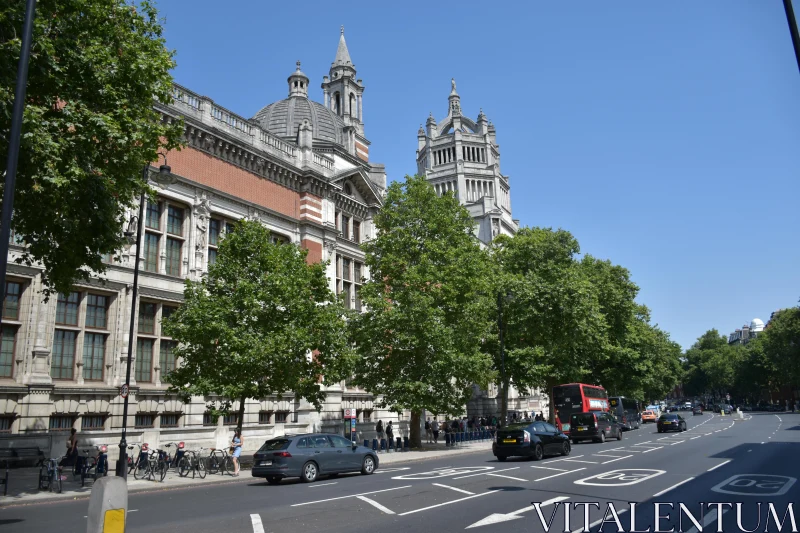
123,391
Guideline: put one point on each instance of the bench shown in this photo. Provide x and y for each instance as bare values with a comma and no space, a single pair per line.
21,457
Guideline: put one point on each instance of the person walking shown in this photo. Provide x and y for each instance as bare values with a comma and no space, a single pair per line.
72,450
236,450
435,430
379,430
428,431
390,435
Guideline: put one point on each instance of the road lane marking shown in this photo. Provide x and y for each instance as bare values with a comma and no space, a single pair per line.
707,434
697,437
617,459
322,485
719,465
653,449
507,477
606,455
258,527
454,488
674,443
620,478
557,460
561,474
498,517
578,461
547,468
657,494
482,473
375,505
395,469
708,520
448,503
350,496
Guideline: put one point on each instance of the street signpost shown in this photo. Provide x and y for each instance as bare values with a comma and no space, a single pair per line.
350,424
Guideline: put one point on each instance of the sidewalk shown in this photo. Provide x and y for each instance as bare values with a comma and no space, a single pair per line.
23,482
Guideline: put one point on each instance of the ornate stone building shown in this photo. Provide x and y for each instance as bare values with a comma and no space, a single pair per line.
461,155
300,167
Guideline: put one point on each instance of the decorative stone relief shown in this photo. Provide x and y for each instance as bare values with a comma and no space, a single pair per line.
202,209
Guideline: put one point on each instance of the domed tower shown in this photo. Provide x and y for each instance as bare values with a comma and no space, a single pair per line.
461,156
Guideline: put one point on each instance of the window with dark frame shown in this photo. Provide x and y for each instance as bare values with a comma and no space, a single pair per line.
175,220
96,311
5,423
153,215
265,417
231,419
170,420
144,420
67,309
63,355
8,344
94,355
281,417
173,264
93,422
166,359
147,317
357,231
345,227
62,422
11,302
144,360
208,419
150,262
214,226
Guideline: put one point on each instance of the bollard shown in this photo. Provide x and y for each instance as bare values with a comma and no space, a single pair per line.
399,446
406,444
366,443
447,439
108,506
383,445
374,445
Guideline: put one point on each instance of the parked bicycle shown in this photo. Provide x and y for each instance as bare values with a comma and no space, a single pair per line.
95,466
173,461
194,463
135,460
219,461
49,476
154,467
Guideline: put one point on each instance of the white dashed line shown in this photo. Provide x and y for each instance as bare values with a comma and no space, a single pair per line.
561,474
322,485
657,494
258,527
617,459
454,488
653,449
556,469
719,465
375,504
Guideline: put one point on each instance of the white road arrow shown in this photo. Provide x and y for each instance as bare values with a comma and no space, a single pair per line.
496,518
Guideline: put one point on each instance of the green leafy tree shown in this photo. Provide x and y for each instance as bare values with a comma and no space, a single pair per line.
419,340
89,126
555,327
263,322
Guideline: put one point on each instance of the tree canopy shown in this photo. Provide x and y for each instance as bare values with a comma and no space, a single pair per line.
419,340
89,126
263,322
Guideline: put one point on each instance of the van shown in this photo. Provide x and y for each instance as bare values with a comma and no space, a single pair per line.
596,426
626,411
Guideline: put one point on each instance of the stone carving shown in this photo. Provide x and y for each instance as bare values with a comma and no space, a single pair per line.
453,84
202,208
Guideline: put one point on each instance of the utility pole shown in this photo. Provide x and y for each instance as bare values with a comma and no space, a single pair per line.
787,6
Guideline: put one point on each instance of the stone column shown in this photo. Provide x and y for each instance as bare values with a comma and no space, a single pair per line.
44,319
360,116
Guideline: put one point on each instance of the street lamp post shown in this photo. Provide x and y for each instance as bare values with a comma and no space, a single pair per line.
164,172
504,398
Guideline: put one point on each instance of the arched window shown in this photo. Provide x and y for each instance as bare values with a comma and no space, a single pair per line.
337,104
348,190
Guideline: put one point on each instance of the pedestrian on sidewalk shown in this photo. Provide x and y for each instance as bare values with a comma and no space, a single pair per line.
379,430
435,430
72,450
390,434
236,450
428,431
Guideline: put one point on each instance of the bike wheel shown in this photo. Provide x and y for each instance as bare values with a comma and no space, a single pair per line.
201,468
56,483
213,465
162,470
228,466
184,466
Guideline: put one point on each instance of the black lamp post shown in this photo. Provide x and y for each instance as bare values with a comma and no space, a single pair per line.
504,399
164,175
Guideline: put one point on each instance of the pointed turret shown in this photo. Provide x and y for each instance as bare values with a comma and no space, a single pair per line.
454,99
298,83
342,54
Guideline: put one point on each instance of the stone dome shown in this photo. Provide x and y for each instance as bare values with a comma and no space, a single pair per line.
757,325
283,118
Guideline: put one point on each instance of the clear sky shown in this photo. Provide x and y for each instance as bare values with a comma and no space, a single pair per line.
664,135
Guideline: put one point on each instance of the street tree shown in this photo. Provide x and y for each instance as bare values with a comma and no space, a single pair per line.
263,322
419,340
89,126
555,327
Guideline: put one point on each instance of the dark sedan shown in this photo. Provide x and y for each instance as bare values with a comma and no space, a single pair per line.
310,455
671,422
530,439
697,410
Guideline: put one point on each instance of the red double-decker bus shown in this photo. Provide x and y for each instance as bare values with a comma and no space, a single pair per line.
576,398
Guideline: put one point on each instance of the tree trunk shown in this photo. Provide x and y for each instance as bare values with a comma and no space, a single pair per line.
240,418
415,433
549,391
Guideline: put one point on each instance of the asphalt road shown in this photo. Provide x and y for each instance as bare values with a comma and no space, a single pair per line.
477,492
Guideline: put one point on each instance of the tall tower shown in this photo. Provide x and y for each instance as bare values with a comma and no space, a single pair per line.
462,156
343,93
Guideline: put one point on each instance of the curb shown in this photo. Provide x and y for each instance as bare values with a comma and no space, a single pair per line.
158,486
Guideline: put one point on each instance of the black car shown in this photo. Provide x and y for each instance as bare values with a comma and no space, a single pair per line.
530,439
671,422
595,426
697,410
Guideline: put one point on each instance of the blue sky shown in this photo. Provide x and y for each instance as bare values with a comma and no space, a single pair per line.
664,135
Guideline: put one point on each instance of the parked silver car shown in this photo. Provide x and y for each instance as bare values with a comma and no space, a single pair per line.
310,455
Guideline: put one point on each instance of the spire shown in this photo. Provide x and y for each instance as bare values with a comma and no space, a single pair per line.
298,83
342,55
454,99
